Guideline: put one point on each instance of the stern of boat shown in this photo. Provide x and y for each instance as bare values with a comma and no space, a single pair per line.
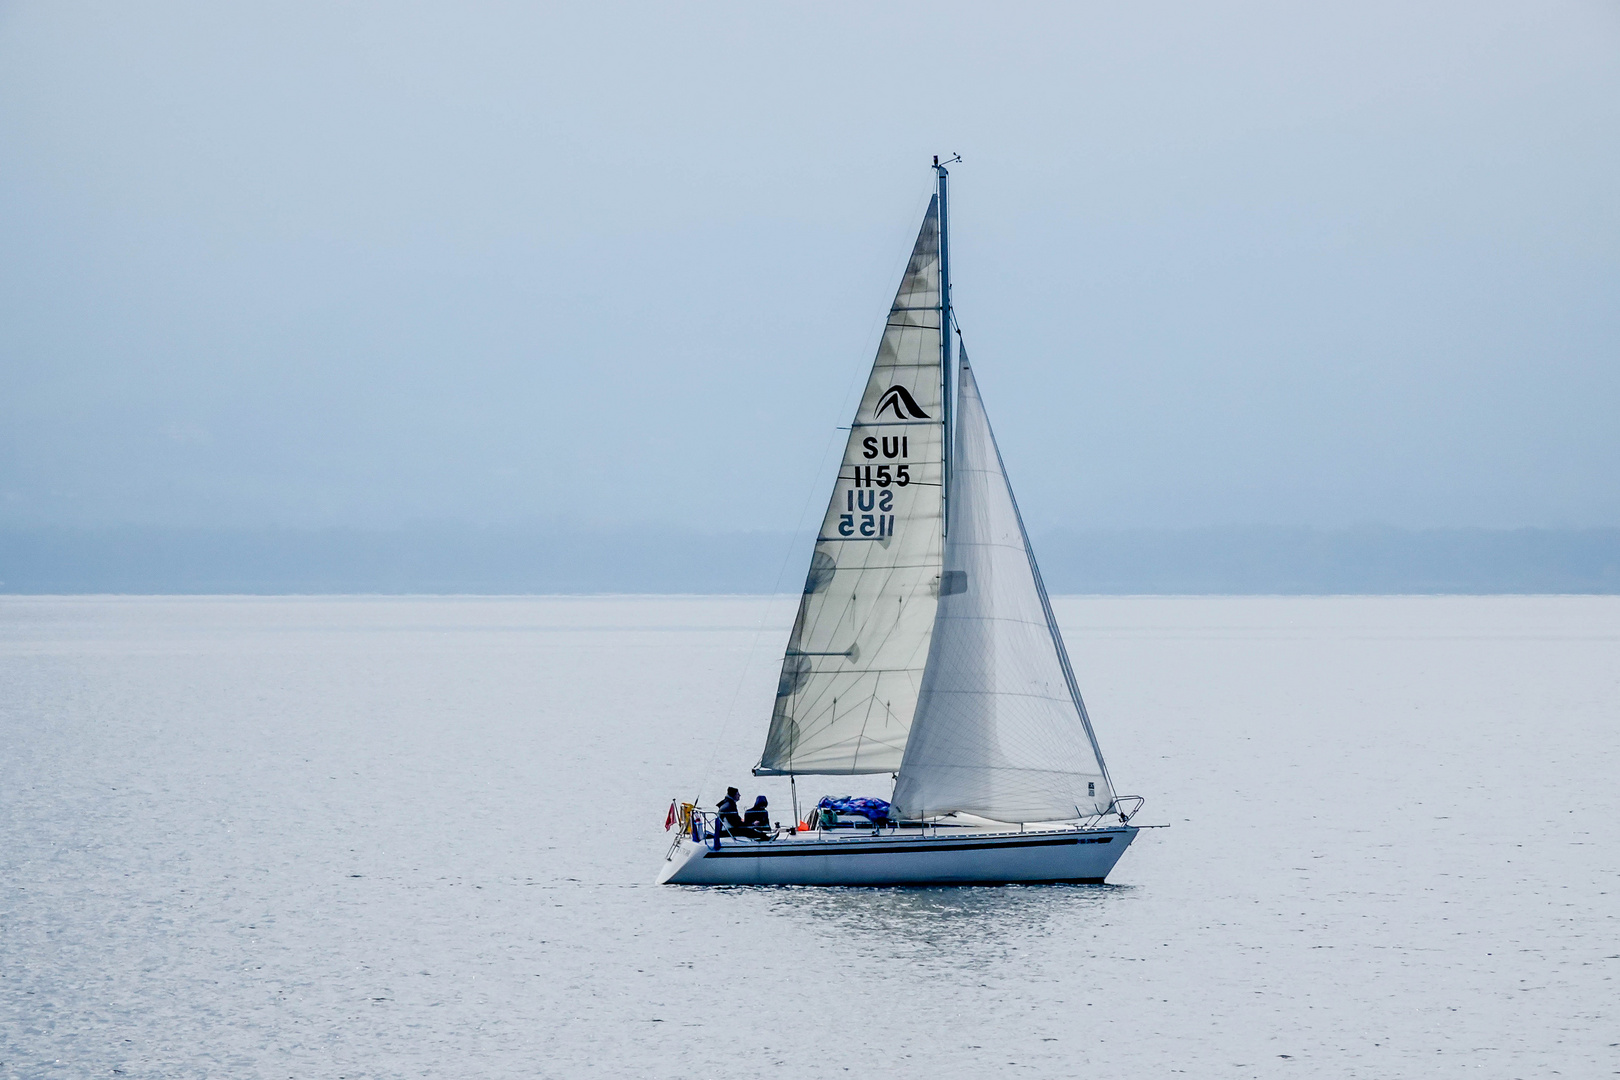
681,853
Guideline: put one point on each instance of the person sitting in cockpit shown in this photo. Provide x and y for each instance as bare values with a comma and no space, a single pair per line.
757,822
727,822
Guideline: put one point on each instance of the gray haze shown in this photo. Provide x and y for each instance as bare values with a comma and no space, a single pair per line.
360,267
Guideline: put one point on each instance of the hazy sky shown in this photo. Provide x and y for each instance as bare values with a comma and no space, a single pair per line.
604,265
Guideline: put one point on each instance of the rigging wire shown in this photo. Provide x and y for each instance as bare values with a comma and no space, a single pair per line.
759,630
857,381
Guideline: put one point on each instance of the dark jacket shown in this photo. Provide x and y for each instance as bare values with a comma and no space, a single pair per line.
728,817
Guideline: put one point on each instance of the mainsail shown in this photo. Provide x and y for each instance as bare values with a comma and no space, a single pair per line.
1000,729
854,663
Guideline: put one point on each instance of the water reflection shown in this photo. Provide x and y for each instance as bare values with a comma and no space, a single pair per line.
947,927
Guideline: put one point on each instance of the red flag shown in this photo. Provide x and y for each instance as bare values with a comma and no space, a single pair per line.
670,820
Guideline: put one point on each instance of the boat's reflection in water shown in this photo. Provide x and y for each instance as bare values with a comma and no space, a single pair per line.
951,925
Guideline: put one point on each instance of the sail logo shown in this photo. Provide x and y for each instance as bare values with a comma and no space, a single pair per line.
898,399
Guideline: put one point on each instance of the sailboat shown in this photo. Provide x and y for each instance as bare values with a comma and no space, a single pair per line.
925,649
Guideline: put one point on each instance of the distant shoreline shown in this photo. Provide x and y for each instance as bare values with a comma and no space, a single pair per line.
444,560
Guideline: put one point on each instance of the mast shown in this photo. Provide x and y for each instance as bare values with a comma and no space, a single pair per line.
942,179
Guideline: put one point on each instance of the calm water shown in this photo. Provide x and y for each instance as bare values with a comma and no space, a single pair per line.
407,837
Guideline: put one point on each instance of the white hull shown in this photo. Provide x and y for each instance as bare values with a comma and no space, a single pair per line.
969,857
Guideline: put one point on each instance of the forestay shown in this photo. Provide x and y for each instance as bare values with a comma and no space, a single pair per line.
1000,729
854,662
